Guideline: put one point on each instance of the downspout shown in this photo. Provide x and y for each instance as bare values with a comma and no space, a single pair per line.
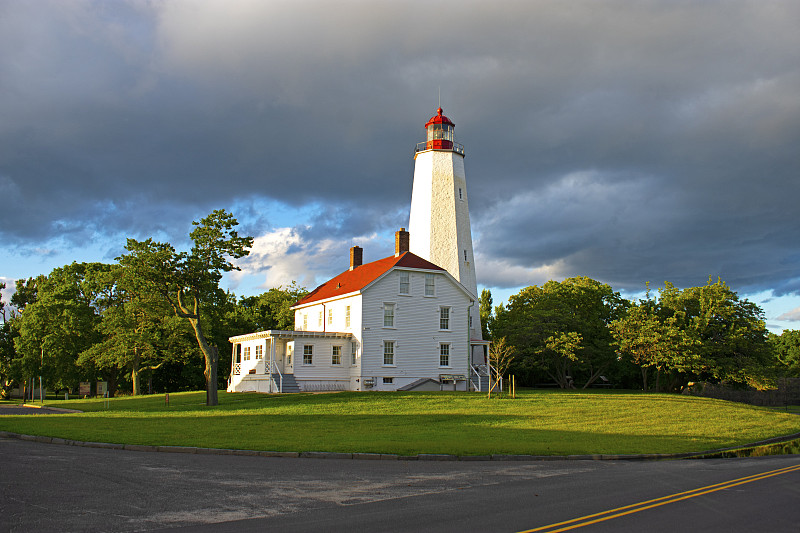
469,346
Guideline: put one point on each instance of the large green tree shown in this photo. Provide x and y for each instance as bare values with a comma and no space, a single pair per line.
786,348
652,340
729,333
138,330
561,327
57,326
189,281
271,309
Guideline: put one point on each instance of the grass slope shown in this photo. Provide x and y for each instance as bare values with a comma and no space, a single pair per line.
537,422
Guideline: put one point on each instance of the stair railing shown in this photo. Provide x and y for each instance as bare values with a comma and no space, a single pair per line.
478,371
275,370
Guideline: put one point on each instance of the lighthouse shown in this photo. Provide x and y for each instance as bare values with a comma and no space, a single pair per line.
439,222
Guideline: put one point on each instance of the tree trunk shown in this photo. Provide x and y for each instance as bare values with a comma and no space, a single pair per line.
211,356
211,388
644,378
135,372
112,382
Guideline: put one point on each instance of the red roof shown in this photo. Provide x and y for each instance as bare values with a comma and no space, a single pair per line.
439,119
358,278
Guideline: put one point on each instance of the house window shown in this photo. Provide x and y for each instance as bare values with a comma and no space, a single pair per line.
347,316
405,284
320,319
336,355
388,352
305,322
353,354
444,355
444,318
388,315
289,355
430,288
246,353
330,316
259,352
308,354
388,381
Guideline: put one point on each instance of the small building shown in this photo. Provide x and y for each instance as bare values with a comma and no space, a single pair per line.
398,323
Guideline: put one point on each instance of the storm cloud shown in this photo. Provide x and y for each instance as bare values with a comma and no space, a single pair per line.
625,141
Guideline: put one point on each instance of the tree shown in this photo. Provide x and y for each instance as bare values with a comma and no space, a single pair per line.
135,326
189,282
543,324
652,341
564,347
6,346
271,309
485,310
25,292
729,332
786,348
57,325
502,355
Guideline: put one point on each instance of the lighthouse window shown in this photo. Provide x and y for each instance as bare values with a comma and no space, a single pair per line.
465,255
460,196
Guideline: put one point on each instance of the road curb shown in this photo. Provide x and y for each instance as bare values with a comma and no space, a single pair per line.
57,409
393,457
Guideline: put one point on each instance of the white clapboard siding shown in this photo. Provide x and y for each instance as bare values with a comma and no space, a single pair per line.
416,333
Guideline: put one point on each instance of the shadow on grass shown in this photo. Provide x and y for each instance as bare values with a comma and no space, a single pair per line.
397,434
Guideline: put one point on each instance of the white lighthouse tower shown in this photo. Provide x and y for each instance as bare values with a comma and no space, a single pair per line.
439,223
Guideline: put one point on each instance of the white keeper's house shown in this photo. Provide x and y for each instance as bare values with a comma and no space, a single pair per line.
397,323
400,323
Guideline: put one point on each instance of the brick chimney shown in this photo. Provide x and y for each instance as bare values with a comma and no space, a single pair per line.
400,242
356,257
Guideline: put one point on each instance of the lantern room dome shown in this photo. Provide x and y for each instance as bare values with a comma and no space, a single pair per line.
439,118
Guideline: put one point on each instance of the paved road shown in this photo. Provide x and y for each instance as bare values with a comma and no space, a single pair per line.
47,487
23,410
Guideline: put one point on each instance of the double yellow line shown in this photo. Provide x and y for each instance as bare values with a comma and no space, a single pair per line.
649,504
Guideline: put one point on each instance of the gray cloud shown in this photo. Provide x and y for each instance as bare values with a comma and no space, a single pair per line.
629,142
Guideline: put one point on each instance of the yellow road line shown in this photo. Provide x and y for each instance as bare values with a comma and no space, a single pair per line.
649,504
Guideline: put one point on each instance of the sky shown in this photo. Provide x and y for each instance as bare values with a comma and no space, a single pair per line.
631,142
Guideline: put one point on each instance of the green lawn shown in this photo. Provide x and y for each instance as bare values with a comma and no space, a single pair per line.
537,422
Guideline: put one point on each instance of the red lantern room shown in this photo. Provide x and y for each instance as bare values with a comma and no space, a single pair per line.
441,135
